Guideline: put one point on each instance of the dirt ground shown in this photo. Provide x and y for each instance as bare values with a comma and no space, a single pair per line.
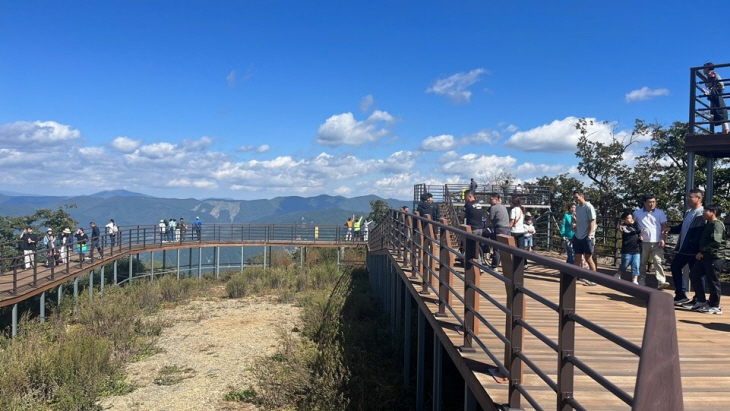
206,349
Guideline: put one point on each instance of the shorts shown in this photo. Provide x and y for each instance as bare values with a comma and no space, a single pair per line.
528,241
583,245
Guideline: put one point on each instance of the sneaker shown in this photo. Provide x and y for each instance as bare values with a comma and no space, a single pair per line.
635,280
587,282
698,306
642,281
662,286
680,301
617,275
711,310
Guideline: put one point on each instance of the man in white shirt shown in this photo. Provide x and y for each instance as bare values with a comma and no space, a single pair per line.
584,241
652,222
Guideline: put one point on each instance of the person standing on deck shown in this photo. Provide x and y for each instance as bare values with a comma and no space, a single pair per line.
688,245
95,240
584,240
112,230
653,224
709,263
198,227
714,91
473,213
567,232
29,241
499,221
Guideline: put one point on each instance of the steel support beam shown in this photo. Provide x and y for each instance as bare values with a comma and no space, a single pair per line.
42,315
421,361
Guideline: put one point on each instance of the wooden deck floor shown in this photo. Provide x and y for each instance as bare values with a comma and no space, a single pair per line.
704,343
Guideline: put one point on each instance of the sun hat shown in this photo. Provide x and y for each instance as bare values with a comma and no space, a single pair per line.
66,231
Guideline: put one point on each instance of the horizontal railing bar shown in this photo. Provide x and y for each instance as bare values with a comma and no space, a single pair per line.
549,381
542,337
493,301
614,338
528,397
603,381
489,353
537,297
488,325
575,404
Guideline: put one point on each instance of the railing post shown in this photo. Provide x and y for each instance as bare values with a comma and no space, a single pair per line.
428,262
566,341
472,277
144,238
659,360
414,249
407,221
15,279
516,305
35,267
446,277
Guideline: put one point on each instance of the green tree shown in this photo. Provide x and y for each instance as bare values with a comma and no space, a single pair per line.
561,187
603,164
378,210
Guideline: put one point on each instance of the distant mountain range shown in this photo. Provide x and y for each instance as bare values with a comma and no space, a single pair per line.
129,208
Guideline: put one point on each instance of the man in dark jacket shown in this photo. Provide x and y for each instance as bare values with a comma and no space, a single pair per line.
426,206
95,240
688,245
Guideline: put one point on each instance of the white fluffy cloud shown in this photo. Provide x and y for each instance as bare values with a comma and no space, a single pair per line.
125,144
645,93
561,136
343,129
42,133
456,86
481,167
443,142
481,137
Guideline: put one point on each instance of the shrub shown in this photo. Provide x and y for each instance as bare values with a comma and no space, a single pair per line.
237,286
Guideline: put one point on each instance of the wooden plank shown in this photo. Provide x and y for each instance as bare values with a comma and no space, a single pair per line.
703,344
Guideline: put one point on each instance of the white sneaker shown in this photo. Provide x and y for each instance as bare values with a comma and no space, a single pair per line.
617,275
698,306
635,280
711,310
587,282
662,286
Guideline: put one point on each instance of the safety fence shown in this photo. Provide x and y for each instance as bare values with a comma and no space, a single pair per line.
454,275
26,269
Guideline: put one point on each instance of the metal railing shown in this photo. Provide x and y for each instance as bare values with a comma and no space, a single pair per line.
26,271
432,261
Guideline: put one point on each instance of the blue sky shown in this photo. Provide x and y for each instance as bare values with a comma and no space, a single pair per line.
256,99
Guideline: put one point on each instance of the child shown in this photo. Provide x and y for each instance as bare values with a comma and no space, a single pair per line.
630,247
709,263
529,231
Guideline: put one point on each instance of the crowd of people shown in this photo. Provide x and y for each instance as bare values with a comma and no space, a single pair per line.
644,231
700,247
357,229
59,248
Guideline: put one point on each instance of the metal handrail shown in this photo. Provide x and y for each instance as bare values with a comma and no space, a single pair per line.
658,352
17,280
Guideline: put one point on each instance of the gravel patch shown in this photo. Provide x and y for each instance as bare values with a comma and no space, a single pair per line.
211,343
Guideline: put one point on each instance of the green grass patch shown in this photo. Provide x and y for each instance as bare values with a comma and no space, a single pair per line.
247,395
